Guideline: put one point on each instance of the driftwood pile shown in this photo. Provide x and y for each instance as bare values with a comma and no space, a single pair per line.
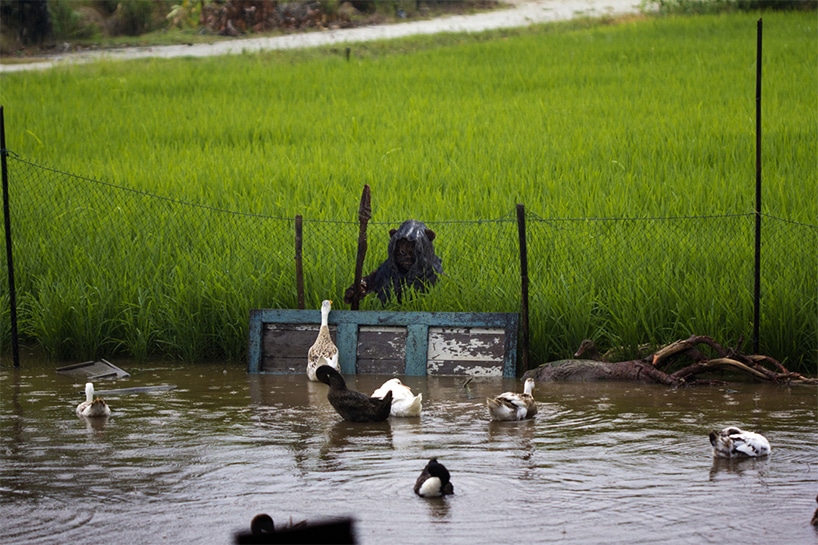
697,354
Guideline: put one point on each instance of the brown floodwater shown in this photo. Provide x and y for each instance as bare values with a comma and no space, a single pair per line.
601,462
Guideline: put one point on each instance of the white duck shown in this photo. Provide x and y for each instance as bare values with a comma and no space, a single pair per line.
404,402
734,443
323,351
92,407
514,406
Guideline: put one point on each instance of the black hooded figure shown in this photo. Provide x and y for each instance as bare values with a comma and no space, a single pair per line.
412,263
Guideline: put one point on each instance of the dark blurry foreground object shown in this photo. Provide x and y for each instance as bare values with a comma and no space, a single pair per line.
263,524
411,263
262,530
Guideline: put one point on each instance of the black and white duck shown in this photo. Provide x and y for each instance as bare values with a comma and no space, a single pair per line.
323,351
404,402
733,442
92,407
434,481
351,405
513,406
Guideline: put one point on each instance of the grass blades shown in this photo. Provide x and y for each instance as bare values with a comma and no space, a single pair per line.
631,145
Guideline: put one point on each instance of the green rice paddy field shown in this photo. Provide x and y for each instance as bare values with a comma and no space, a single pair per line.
631,144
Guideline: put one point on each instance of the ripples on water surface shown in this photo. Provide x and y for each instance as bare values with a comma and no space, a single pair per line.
601,463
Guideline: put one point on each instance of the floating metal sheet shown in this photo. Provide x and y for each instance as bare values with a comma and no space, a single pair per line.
94,370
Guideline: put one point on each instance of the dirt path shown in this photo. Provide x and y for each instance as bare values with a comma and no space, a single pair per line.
520,13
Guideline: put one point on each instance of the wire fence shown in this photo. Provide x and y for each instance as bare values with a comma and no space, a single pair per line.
104,270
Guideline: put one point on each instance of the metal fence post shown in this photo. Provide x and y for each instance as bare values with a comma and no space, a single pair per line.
757,272
524,284
15,341
299,262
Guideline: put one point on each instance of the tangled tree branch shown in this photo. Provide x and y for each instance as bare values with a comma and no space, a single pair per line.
693,354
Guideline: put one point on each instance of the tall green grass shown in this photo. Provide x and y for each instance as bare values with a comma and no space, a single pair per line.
641,119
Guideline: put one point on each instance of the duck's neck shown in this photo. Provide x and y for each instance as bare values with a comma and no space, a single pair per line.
89,392
529,388
324,318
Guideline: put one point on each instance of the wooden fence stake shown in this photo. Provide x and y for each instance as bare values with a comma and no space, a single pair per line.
364,214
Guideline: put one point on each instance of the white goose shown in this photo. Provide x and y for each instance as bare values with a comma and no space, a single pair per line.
404,402
514,406
323,351
92,407
732,442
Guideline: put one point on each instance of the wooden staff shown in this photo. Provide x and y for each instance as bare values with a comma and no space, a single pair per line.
364,214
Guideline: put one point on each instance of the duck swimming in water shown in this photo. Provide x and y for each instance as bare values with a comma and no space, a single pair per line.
92,407
732,442
323,351
513,406
434,481
404,402
351,405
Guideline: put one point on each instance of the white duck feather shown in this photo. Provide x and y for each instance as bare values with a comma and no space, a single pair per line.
404,402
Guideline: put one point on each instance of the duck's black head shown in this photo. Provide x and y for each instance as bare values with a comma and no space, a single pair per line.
331,377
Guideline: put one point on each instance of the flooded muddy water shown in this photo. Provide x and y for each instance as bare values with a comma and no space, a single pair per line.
601,462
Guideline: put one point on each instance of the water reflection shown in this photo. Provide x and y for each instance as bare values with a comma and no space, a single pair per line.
740,466
96,424
516,436
346,436
200,460
438,509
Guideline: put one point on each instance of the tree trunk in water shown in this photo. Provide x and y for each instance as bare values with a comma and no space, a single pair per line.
655,368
